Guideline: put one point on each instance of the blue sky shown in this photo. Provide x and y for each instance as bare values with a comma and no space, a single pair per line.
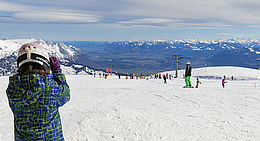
117,20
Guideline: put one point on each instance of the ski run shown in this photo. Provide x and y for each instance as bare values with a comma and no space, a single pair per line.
115,109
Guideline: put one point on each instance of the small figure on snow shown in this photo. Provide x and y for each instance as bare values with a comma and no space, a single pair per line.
223,83
197,83
164,78
137,75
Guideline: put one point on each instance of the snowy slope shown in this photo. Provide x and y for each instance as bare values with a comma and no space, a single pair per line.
113,109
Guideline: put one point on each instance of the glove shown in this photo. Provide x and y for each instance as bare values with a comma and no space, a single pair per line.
55,65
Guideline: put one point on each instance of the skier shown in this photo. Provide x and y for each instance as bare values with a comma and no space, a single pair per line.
164,78
188,75
223,83
119,75
198,82
35,95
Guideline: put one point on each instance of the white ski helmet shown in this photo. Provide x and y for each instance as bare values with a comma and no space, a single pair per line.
33,53
188,63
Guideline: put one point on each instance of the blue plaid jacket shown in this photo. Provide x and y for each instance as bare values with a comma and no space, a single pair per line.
34,100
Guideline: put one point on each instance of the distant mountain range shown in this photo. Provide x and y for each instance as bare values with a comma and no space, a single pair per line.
156,56
83,57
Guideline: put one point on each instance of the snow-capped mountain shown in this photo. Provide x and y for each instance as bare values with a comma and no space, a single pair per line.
156,55
69,56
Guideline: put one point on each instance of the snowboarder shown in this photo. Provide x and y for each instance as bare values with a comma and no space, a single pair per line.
198,82
188,75
223,83
35,95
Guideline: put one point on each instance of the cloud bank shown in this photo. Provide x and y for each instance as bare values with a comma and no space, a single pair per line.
219,13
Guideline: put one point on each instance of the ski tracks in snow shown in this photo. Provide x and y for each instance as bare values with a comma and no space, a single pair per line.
151,110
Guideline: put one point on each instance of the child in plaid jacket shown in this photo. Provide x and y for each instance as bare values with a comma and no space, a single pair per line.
35,95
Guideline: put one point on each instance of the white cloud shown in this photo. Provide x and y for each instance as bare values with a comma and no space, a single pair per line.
196,12
32,13
12,7
7,19
139,12
150,22
56,17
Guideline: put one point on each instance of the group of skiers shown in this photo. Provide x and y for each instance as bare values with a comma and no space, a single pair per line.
148,76
186,75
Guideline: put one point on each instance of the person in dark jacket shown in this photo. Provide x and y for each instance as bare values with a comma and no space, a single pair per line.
188,74
35,94
164,78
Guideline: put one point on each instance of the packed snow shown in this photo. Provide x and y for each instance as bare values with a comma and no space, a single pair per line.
147,109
